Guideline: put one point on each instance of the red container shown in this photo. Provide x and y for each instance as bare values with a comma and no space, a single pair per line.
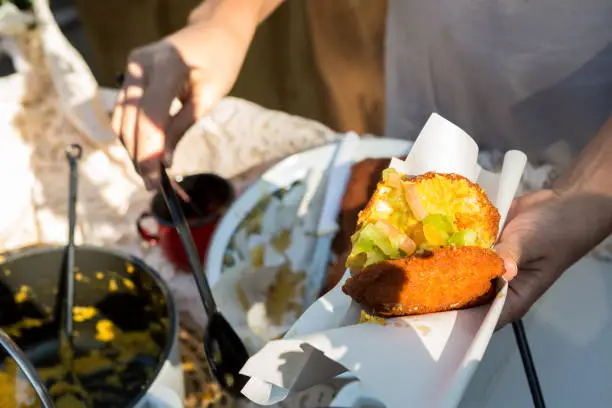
211,194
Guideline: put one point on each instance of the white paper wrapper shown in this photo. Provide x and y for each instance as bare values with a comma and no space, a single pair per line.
420,361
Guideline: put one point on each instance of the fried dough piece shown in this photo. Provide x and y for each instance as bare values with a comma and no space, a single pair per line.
445,279
407,214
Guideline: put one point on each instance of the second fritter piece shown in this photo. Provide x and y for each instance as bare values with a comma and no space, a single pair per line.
443,279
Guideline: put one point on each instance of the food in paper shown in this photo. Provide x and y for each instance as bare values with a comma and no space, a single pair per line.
422,245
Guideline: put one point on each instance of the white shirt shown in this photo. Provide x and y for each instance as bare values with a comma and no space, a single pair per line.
512,73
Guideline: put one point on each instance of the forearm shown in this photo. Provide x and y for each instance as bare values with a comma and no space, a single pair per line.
589,182
592,171
249,12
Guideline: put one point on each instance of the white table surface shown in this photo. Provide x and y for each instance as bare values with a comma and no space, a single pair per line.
570,334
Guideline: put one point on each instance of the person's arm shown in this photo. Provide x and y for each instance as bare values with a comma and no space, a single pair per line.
587,187
198,65
548,231
592,171
250,11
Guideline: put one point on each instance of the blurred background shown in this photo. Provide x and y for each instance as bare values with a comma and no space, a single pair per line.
315,58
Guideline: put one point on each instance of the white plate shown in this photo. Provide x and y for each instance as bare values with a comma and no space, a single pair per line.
282,175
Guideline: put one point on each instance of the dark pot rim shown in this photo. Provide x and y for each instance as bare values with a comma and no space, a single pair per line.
164,289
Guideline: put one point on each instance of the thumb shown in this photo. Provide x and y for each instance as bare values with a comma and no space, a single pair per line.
176,128
195,105
510,251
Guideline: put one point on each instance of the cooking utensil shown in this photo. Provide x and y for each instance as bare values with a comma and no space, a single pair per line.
66,290
224,350
73,154
530,371
123,290
26,368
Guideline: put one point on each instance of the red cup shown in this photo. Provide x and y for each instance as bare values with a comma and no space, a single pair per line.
210,194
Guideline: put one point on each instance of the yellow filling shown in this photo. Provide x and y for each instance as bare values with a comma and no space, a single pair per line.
82,313
405,217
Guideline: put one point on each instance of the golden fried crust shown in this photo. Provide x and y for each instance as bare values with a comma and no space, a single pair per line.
449,278
366,213
485,219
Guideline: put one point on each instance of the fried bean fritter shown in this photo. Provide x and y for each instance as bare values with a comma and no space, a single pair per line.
443,279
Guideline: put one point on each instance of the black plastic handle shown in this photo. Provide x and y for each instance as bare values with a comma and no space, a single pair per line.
528,365
180,223
73,154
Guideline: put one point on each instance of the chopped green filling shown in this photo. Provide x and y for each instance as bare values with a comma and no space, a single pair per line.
393,232
375,243
463,238
437,229
371,245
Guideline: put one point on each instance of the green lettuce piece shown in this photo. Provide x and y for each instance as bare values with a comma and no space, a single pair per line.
370,237
375,256
465,237
441,222
437,229
371,245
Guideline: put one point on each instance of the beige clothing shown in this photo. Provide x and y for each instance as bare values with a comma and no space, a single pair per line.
512,73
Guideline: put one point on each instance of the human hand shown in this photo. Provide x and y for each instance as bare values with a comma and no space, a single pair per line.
198,65
546,232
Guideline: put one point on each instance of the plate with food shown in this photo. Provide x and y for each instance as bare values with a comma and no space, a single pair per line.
258,260
423,290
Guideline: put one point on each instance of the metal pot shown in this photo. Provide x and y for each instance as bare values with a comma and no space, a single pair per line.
123,289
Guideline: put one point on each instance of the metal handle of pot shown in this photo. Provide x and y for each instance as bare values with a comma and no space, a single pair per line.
26,367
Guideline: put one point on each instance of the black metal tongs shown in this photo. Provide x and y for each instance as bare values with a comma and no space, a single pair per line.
528,365
225,352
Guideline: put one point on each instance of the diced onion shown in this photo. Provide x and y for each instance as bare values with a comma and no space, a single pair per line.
406,244
395,180
414,202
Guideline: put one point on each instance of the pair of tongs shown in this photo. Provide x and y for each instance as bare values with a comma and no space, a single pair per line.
225,352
